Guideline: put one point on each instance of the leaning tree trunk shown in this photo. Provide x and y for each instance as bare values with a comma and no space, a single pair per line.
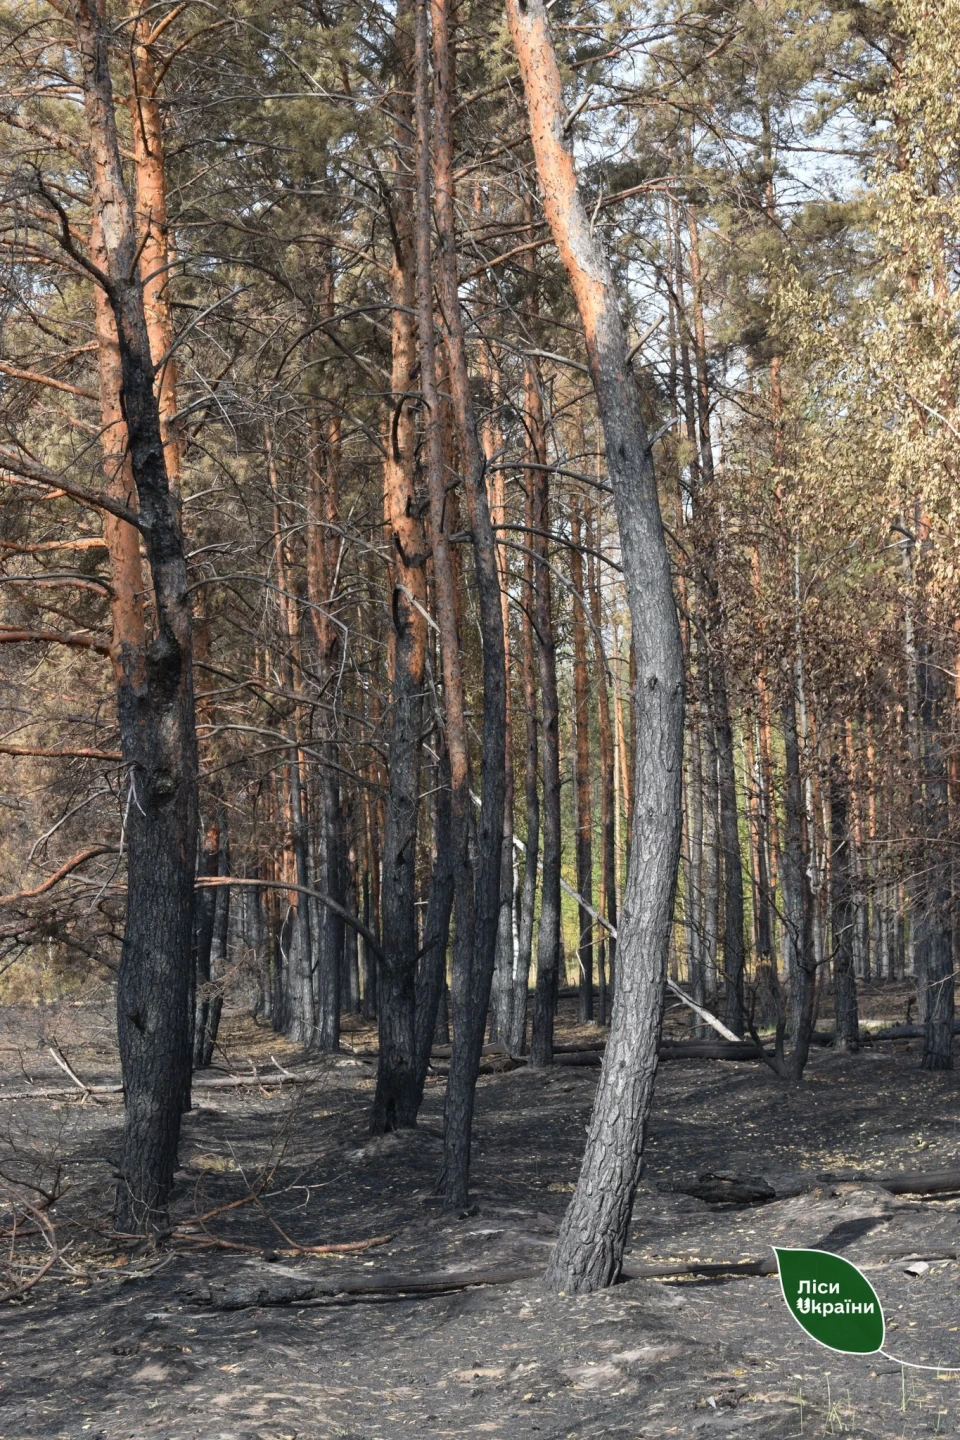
589,1251
156,709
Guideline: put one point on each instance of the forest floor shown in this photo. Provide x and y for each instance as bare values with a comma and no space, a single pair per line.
114,1344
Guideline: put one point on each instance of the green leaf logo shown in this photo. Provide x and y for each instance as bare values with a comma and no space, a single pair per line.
831,1300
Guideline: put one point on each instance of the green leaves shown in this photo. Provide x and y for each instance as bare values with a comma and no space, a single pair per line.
831,1300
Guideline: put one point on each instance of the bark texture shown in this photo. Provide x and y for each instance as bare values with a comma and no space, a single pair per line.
155,702
475,950
589,1251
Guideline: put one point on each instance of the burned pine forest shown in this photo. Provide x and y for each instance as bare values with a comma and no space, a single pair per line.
479,715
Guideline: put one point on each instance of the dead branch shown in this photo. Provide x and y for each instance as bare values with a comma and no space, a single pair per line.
65,869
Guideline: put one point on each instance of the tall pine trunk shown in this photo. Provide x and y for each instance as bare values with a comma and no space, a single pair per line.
474,950
589,1251
155,704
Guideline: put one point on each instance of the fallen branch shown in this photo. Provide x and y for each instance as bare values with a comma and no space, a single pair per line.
349,1247
219,1082
65,1065
704,1015
39,752
59,1092
44,1228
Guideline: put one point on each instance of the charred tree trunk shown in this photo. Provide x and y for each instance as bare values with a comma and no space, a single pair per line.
505,969
432,974
608,904
531,795
842,911
548,934
203,925
797,897
459,1108
296,935
935,921
589,1251
207,1037
584,849
733,947
474,951
156,708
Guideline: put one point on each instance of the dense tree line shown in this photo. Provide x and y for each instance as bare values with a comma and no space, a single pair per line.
478,516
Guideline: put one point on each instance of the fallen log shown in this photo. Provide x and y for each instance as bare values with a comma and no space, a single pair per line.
726,1187
710,1050
889,1032
287,1287
498,1061
901,1032
920,1182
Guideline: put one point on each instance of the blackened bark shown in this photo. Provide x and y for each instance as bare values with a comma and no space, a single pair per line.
842,911
584,809
608,789
156,711
935,921
395,1102
548,934
528,894
474,951
368,961
432,972
693,884
797,896
396,1099
350,973
458,1111
207,1037
733,948
300,1003
330,947
206,907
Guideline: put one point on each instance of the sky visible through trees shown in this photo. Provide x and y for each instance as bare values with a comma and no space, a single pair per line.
478,526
